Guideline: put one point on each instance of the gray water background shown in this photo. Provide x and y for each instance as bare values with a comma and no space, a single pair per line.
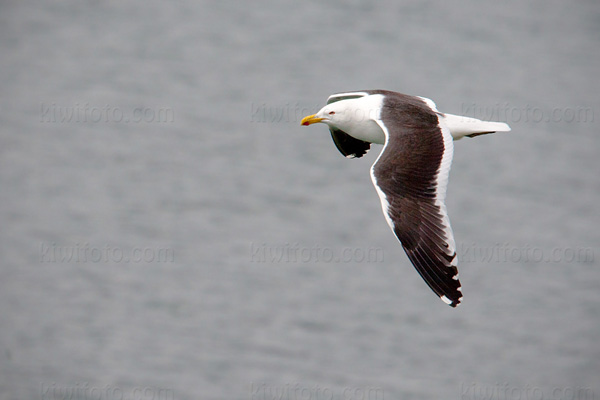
228,179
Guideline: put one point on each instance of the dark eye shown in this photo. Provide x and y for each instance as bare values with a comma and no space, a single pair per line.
331,112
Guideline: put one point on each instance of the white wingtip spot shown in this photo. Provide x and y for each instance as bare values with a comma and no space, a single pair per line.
446,300
454,262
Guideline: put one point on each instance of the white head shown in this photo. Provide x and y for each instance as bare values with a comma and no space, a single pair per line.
356,117
333,114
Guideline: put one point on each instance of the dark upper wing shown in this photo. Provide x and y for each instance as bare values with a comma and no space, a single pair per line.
347,145
411,175
347,95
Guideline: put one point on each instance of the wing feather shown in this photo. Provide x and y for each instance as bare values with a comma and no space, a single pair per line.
347,145
411,175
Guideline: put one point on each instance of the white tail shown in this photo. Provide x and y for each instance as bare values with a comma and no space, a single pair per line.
465,126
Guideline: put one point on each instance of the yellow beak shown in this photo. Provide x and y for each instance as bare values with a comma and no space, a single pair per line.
311,119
